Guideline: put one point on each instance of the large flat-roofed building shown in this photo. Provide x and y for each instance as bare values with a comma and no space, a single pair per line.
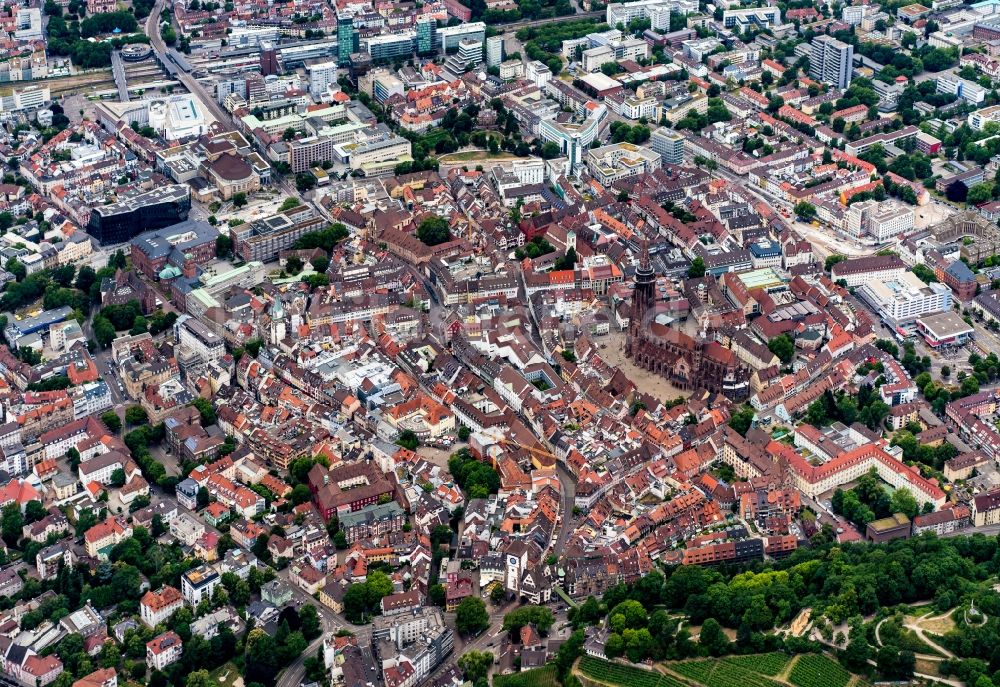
198,584
617,161
263,239
188,240
980,118
574,139
379,151
39,323
860,271
175,117
391,45
305,153
944,329
448,37
893,527
902,300
752,16
126,219
879,220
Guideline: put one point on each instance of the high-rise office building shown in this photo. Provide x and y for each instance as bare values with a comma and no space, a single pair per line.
347,40
669,145
831,61
426,29
494,51
268,59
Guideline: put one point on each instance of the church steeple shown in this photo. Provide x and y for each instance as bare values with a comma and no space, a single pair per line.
642,297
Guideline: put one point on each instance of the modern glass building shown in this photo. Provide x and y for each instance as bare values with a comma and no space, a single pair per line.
347,40
426,28
156,209
392,45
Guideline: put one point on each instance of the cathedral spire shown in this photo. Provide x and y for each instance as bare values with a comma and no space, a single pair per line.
643,298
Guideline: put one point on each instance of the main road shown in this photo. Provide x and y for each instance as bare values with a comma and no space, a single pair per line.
187,80
195,88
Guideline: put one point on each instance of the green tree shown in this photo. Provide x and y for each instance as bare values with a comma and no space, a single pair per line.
471,617
200,678
136,415
408,439
614,646
857,652
293,265
11,523
475,665
742,419
904,502
758,616
340,541
223,246
320,264
300,494
632,612
206,410
239,200
805,210
311,626
34,511
980,193
783,347
539,616
104,331
438,595
697,268
832,260
118,478
433,230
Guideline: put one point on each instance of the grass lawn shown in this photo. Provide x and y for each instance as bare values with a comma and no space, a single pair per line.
227,675
474,156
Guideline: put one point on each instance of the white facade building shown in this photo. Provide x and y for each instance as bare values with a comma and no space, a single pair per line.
881,221
195,336
199,583
494,51
906,298
321,76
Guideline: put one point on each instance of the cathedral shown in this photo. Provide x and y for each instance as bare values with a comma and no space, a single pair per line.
686,362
